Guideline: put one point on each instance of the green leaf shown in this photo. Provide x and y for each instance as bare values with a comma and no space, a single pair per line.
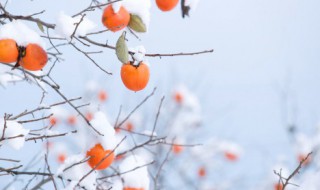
40,26
122,49
137,24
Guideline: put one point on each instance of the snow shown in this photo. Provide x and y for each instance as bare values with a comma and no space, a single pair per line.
59,113
135,178
117,185
13,129
139,53
65,26
21,33
304,145
140,8
76,172
116,6
230,147
101,124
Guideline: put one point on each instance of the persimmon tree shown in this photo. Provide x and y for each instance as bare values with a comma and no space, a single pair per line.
106,153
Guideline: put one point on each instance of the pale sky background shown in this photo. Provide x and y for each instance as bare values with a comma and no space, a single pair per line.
262,49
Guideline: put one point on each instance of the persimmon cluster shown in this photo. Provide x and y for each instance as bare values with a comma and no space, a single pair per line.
134,76
31,57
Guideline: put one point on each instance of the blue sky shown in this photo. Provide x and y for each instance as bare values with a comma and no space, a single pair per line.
262,50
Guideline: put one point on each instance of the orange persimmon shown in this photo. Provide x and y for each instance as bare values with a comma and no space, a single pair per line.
115,21
53,120
167,5
202,172
61,158
135,78
230,156
177,149
33,57
97,154
8,51
178,97
102,96
132,188
278,186
72,120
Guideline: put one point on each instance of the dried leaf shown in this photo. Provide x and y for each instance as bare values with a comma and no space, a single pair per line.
122,49
137,24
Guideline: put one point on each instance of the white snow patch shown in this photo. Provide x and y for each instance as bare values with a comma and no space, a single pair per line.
135,178
65,25
21,33
13,129
140,8
75,173
101,124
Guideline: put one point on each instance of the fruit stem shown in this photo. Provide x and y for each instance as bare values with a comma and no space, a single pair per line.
22,53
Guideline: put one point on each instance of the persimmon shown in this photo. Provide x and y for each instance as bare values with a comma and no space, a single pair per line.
8,51
135,78
132,188
61,158
202,172
72,120
97,154
102,96
129,126
33,57
53,120
178,97
177,149
167,5
278,186
301,157
89,116
115,21
118,130
230,156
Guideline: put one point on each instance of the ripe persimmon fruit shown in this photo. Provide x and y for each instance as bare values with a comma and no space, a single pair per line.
202,172
97,154
278,186
177,149
115,21
135,78
89,116
61,158
129,127
230,156
9,51
33,57
72,120
167,5
102,96
132,188
53,120
302,157
178,97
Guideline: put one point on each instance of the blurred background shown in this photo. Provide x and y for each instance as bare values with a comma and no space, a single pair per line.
258,90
